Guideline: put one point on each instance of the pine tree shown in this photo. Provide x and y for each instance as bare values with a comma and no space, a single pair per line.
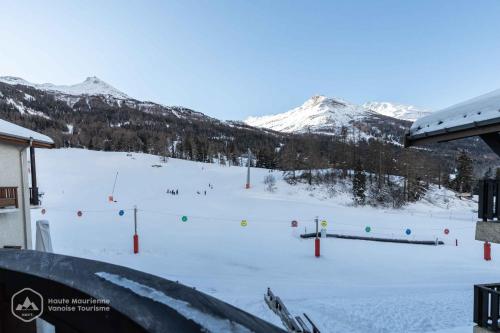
359,184
463,180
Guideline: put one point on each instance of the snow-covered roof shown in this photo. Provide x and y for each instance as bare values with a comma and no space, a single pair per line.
479,112
14,131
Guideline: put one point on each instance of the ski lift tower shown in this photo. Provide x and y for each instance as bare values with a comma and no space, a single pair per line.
249,157
479,116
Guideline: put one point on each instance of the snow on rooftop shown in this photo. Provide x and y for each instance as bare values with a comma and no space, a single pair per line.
484,107
16,131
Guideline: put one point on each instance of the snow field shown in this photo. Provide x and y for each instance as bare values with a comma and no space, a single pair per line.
358,286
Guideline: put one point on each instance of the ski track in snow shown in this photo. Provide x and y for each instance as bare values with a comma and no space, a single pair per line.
356,286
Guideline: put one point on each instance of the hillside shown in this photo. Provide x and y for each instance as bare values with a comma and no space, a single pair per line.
323,132
319,115
355,286
90,87
95,115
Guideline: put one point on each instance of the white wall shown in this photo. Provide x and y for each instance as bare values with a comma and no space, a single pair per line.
13,229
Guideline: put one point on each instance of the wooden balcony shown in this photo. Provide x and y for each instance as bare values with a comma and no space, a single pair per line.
8,197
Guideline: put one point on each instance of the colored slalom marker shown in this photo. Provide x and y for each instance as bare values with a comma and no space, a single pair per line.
368,228
121,212
184,218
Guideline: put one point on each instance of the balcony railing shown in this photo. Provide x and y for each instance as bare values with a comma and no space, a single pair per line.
489,199
486,306
138,302
8,197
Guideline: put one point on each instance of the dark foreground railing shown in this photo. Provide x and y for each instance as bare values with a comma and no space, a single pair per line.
136,301
489,199
486,306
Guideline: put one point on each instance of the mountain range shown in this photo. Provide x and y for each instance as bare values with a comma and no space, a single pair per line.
315,108
91,86
319,114
95,115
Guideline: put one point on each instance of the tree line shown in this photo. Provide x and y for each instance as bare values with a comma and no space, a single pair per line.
381,171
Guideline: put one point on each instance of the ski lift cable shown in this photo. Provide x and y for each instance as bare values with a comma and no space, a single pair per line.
114,184
232,219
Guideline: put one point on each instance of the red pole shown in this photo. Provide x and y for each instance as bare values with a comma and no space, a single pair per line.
316,240
136,243
136,237
487,251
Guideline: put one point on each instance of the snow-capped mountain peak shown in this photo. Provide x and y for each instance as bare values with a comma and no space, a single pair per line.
399,111
319,114
15,80
92,86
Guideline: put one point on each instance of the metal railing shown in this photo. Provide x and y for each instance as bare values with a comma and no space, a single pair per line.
489,199
138,302
8,197
486,306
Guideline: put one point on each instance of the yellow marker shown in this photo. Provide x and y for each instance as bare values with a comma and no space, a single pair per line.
324,223
243,223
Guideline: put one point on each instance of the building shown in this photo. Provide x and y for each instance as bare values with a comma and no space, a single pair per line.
480,117
18,185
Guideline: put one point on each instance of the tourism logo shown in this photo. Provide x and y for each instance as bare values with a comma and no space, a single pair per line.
27,305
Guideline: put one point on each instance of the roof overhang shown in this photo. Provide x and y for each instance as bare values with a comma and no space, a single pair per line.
479,116
18,135
477,128
25,142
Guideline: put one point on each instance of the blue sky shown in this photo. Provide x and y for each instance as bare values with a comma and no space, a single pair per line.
233,59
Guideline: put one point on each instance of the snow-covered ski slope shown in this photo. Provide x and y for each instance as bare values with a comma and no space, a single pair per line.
356,286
